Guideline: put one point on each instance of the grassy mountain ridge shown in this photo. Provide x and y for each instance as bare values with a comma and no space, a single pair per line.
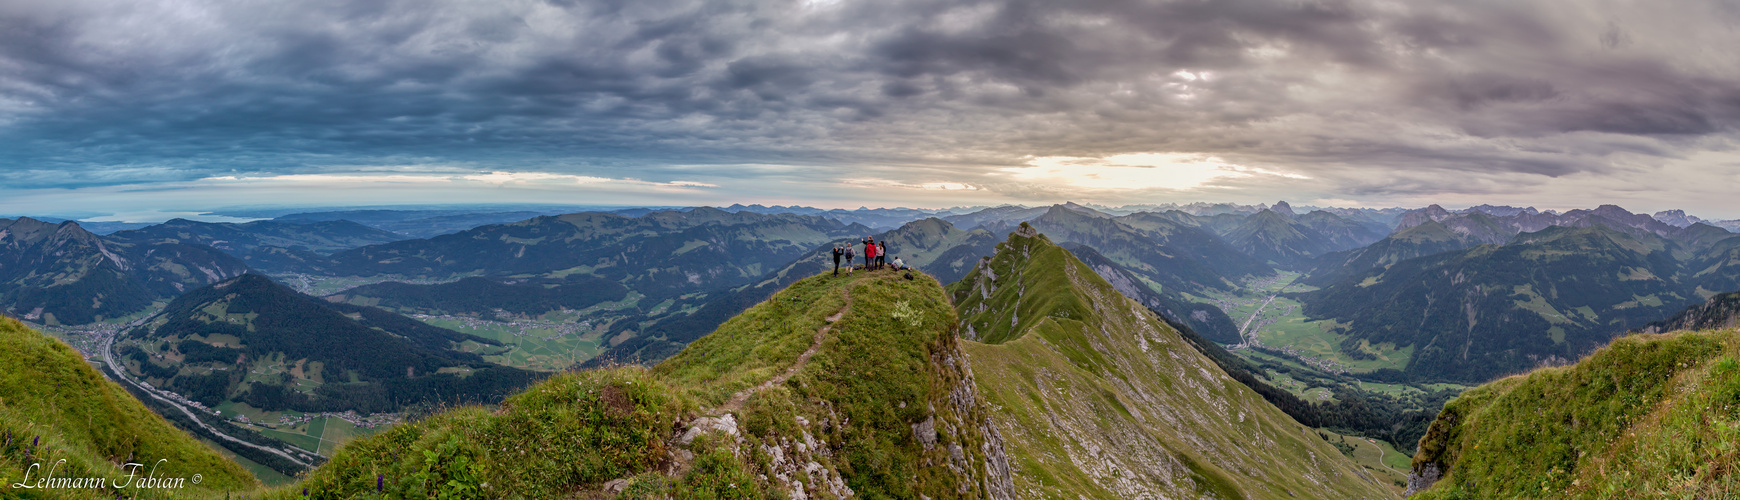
833,387
933,245
1101,398
1399,420
54,406
1646,416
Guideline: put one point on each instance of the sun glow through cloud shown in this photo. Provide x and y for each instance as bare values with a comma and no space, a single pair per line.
926,186
1178,171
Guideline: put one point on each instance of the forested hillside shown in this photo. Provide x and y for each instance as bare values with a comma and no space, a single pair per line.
254,341
1544,297
1720,311
485,296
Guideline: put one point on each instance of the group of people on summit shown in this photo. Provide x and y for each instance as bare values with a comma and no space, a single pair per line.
875,256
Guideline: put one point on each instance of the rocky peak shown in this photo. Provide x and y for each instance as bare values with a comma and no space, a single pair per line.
1433,213
1078,208
25,230
1281,207
1677,218
1613,212
1502,210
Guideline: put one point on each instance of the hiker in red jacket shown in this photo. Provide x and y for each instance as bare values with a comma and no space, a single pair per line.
869,253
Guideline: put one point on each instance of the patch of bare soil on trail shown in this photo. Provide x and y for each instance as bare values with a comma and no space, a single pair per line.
737,400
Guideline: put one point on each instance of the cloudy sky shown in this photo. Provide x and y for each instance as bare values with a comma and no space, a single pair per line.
130,105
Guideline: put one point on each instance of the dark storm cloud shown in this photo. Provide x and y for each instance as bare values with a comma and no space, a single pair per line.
108,92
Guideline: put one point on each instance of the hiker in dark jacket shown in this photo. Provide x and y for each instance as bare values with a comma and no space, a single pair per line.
837,254
882,255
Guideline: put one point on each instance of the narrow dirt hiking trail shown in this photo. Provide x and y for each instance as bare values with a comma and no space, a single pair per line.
737,400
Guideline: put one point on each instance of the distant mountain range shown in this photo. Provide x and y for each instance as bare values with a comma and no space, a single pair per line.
60,274
417,223
1542,297
1076,350
656,279
1433,230
265,245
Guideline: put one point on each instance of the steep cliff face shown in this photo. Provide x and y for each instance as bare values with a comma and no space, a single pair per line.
1099,398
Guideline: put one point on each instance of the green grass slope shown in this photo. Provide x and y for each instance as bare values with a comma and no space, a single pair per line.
54,406
1649,416
1100,398
835,387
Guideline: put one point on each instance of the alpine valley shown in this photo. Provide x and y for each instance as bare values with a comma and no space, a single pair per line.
1063,351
